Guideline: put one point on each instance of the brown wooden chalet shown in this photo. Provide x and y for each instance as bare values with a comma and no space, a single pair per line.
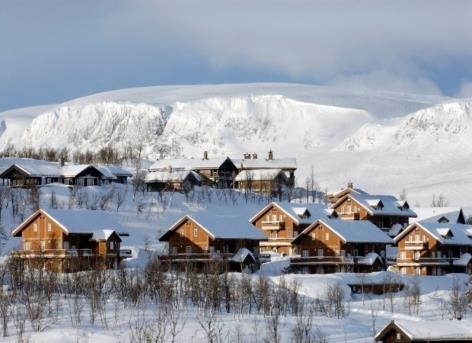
69,240
270,182
430,331
202,239
432,248
283,221
167,181
385,211
334,245
218,172
251,162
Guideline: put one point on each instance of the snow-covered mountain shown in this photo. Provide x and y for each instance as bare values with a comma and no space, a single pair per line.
386,141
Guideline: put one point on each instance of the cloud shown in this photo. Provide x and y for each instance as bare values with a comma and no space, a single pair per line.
52,49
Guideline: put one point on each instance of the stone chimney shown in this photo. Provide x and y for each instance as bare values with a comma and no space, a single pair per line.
350,185
247,156
254,156
271,155
205,155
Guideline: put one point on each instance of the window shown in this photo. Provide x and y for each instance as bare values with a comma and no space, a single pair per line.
327,236
295,233
342,253
305,253
35,227
173,250
195,232
399,336
320,252
403,255
112,245
43,245
212,249
27,246
49,227
188,249
417,255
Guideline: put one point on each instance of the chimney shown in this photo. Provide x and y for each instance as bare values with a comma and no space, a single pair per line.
350,185
205,155
271,155
254,156
61,161
247,156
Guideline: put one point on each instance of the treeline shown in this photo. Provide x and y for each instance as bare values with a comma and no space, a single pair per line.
105,155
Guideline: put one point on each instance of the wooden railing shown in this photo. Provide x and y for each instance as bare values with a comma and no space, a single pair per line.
272,225
53,253
416,245
322,259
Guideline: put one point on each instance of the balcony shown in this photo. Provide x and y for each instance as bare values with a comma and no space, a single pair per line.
273,225
48,253
416,245
313,260
195,257
125,253
426,261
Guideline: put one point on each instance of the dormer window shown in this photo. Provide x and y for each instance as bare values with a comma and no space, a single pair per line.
446,233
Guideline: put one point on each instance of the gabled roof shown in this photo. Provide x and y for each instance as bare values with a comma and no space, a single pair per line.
444,233
259,175
379,205
111,171
170,176
350,231
31,167
262,163
73,170
220,226
441,214
431,330
98,224
315,211
188,163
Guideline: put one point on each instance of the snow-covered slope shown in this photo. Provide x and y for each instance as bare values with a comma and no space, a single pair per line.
381,141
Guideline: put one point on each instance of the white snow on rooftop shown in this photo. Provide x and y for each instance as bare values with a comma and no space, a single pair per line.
357,231
259,175
170,176
31,166
436,329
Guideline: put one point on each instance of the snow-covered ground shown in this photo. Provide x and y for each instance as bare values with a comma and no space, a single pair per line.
146,216
381,141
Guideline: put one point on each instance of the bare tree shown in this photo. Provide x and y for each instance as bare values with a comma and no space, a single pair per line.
458,300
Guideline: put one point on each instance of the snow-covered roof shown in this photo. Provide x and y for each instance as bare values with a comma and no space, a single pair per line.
259,174
111,171
72,170
351,231
369,259
241,255
300,213
463,260
34,168
188,163
443,214
97,223
440,330
170,176
221,226
395,230
262,163
444,233
379,205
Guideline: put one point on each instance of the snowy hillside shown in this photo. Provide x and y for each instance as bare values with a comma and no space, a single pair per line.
381,141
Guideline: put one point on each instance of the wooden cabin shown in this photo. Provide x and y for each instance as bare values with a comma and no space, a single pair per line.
168,181
283,221
252,162
269,182
114,174
432,248
26,173
81,175
215,172
431,331
69,240
334,245
202,239
385,211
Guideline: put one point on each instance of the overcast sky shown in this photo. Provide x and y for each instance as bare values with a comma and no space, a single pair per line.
52,51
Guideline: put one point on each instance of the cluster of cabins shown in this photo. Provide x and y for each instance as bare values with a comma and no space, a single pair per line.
356,232
253,174
25,172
